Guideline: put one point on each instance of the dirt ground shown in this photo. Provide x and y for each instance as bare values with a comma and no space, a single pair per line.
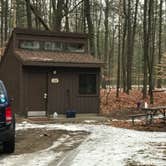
140,126
116,118
32,140
120,109
123,114
121,119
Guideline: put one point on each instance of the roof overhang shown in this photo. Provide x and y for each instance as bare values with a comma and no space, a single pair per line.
60,64
57,59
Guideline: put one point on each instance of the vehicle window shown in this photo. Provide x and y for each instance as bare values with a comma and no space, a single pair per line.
2,91
2,94
87,84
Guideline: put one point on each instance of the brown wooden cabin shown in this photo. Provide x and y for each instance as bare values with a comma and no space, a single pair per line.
47,72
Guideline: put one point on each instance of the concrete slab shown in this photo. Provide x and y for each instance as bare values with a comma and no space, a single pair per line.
87,118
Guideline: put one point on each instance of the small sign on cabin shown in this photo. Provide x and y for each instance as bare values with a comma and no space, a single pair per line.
55,80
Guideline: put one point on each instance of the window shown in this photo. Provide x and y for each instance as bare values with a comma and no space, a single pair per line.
75,47
62,46
53,46
30,45
2,90
87,84
2,94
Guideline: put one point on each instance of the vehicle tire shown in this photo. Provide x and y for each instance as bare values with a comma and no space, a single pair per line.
9,147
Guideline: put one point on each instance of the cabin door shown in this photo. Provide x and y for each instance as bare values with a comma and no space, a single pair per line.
60,90
36,93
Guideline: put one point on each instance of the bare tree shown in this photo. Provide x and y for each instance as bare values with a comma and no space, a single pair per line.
146,46
159,81
87,11
124,63
29,17
6,21
106,13
2,22
119,50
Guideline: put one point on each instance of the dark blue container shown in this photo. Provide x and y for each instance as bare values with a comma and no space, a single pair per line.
70,114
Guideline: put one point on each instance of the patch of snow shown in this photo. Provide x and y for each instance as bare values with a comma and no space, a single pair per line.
115,120
105,146
69,127
129,120
89,121
116,147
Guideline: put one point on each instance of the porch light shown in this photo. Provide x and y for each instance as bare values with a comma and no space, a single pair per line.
54,72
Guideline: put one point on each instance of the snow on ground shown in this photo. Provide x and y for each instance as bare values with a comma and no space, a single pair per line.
104,146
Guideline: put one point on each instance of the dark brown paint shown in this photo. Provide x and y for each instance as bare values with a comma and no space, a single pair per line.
27,83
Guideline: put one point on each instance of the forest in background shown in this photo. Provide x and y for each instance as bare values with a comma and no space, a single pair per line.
129,36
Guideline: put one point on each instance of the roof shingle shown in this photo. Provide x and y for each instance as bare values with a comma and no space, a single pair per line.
56,57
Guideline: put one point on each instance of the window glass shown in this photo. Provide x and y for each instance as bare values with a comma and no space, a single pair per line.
75,47
2,94
2,91
53,46
87,84
31,45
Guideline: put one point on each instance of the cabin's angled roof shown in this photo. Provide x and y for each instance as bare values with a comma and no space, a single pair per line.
34,32
42,58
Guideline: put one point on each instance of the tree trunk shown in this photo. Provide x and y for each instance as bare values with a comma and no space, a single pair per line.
106,11
29,17
119,52
87,11
76,20
152,34
159,81
145,50
133,41
111,54
66,9
129,45
2,18
98,36
123,47
14,5
6,21
58,14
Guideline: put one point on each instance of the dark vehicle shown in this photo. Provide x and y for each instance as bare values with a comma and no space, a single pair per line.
7,122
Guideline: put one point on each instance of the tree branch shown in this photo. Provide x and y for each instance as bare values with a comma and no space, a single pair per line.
39,17
74,8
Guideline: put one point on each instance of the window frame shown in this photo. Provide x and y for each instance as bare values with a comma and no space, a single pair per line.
68,48
62,42
96,94
31,49
53,43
